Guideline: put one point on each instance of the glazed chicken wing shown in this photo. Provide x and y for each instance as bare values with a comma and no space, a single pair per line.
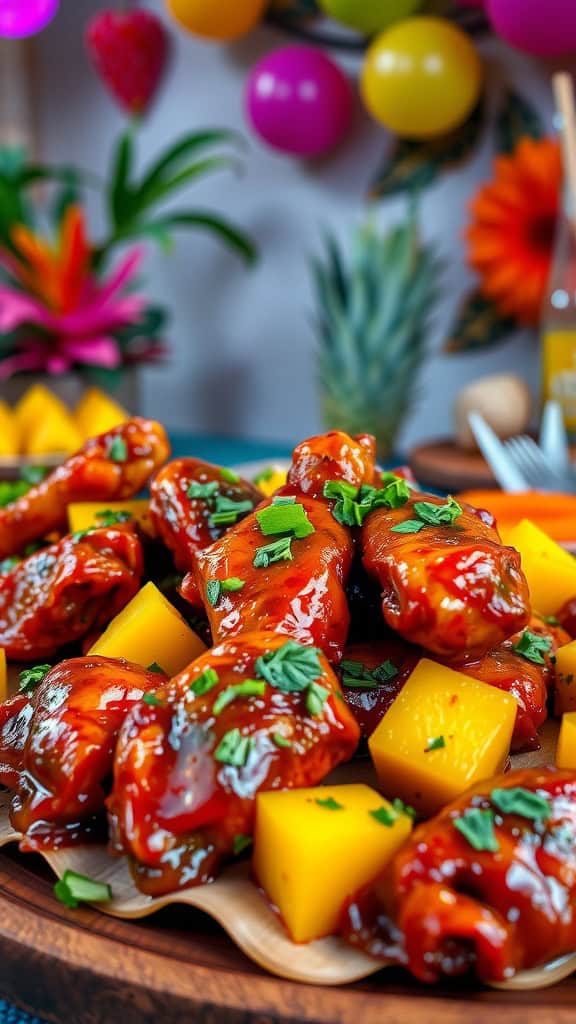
255,713
282,583
193,503
111,467
333,456
57,745
65,591
489,885
451,586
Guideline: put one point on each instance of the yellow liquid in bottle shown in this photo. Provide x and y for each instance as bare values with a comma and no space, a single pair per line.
559,371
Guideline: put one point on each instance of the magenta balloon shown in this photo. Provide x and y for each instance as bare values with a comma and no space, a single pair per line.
543,27
299,101
19,18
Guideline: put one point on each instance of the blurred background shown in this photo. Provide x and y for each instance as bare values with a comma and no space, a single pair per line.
243,336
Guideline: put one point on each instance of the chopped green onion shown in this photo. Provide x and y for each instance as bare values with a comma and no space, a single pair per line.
278,551
284,499
284,518
30,677
281,740
73,889
330,804
232,584
316,697
533,647
229,476
437,743
354,504
401,808
152,700
156,668
358,676
118,450
522,802
205,682
264,475
7,564
477,827
242,843
227,511
249,688
213,591
384,816
234,749
203,491
429,514
291,668
109,518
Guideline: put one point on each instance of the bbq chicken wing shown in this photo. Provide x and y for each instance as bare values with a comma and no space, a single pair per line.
489,885
255,713
111,467
451,586
333,456
57,746
193,503
250,579
372,675
67,590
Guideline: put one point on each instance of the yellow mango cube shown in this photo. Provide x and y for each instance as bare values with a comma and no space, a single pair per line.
84,515
270,480
9,432
549,568
314,848
54,434
565,682
3,675
150,629
566,748
444,732
97,413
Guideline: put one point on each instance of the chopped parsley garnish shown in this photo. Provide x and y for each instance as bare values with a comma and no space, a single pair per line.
401,808
204,683
118,450
551,620
110,518
437,743
284,517
241,843
234,749
522,802
428,514
249,688
7,564
227,511
291,668
31,677
533,647
152,700
278,551
232,584
477,827
316,697
264,475
358,676
384,816
284,499
354,504
213,591
281,740
157,669
11,490
74,889
330,804
203,491
229,476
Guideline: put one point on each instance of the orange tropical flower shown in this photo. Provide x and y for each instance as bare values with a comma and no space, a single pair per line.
511,236
55,274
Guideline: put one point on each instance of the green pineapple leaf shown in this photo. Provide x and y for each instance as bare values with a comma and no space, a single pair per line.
478,325
415,165
517,119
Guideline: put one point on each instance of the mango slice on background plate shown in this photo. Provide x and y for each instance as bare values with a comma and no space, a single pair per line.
54,433
9,432
96,413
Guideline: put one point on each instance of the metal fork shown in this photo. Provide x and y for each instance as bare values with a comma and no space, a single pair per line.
535,467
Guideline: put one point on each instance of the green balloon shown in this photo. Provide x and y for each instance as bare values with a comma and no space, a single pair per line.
369,16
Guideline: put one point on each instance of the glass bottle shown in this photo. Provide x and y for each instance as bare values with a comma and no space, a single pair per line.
558,344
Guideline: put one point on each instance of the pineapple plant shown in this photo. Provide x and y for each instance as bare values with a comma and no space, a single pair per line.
373,311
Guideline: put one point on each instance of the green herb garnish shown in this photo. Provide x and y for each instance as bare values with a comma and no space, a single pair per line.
278,551
30,677
33,475
264,476
316,697
227,511
7,564
384,816
281,740
354,504
232,584
213,591
249,688
157,669
152,700
408,526
241,843
358,676
229,476
330,804
118,450
401,808
291,668
234,749
74,889
110,518
533,647
204,683
522,802
284,499
437,743
429,514
203,492
284,518
477,827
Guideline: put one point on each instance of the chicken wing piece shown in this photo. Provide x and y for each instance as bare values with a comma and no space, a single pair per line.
193,503
62,592
282,582
373,674
111,467
487,886
255,713
333,456
57,745
448,584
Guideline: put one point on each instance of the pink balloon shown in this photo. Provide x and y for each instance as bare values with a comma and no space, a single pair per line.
543,27
19,18
299,101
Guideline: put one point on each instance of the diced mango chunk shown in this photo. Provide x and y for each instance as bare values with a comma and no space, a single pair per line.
549,568
83,515
565,681
270,480
54,433
313,848
3,675
150,630
9,432
443,732
566,748
96,413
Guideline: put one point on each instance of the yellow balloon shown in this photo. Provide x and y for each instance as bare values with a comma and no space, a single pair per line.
221,20
421,78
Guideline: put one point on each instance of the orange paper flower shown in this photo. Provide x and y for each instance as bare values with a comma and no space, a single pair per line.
511,236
